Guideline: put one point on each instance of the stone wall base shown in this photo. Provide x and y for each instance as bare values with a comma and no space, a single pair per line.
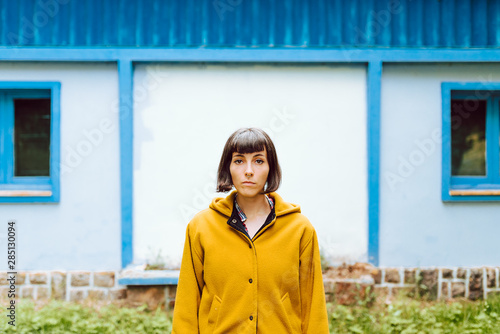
347,284
64,285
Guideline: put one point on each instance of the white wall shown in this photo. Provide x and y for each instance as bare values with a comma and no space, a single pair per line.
316,116
83,230
417,228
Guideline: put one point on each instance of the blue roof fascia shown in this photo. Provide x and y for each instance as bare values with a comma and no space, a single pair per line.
249,54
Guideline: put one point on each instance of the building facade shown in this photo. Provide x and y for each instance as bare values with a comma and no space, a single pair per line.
385,115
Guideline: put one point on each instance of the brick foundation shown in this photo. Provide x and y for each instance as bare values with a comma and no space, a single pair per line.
438,283
69,286
344,285
430,283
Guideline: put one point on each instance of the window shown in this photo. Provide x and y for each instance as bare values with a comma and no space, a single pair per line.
29,142
471,142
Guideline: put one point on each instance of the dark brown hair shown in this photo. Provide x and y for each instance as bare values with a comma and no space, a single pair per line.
248,140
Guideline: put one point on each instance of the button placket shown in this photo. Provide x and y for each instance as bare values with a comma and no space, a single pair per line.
250,280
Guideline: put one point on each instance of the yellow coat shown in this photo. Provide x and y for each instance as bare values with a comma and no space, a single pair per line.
269,285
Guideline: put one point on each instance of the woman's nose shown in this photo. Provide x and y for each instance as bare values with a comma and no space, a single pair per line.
249,170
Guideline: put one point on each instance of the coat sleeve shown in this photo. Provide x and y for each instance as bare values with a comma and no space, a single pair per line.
312,294
189,289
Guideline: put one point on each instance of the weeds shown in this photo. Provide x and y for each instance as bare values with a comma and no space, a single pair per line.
63,317
409,316
401,316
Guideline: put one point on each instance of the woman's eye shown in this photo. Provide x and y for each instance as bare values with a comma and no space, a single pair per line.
237,161
260,161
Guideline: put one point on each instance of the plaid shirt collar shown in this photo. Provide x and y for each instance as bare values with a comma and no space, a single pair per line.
243,217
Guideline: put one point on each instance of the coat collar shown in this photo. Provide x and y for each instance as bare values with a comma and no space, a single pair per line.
224,205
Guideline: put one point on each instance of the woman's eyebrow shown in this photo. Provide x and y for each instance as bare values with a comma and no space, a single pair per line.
241,155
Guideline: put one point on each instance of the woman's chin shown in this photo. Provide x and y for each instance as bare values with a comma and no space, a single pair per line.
246,192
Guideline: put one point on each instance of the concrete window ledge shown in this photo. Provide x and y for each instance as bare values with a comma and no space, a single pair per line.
149,277
156,288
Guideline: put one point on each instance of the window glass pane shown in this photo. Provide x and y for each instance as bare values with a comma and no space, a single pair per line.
468,137
32,137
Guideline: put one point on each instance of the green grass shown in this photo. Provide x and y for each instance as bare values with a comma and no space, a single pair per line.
64,317
407,316
403,316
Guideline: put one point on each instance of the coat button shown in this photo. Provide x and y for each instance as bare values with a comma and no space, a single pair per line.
251,317
234,221
250,280
249,246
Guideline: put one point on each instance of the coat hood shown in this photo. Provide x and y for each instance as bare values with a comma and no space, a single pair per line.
224,205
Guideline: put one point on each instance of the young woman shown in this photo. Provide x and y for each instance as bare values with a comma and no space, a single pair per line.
251,260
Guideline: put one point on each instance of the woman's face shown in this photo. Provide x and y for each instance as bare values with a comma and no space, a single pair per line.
249,172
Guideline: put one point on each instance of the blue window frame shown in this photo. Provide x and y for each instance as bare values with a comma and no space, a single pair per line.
29,142
471,141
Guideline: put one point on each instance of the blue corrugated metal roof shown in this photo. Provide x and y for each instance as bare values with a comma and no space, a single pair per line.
248,23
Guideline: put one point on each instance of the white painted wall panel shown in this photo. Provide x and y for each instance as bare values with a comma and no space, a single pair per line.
417,228
316,116
82,232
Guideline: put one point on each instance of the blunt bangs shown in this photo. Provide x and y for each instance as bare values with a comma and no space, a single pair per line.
247,142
